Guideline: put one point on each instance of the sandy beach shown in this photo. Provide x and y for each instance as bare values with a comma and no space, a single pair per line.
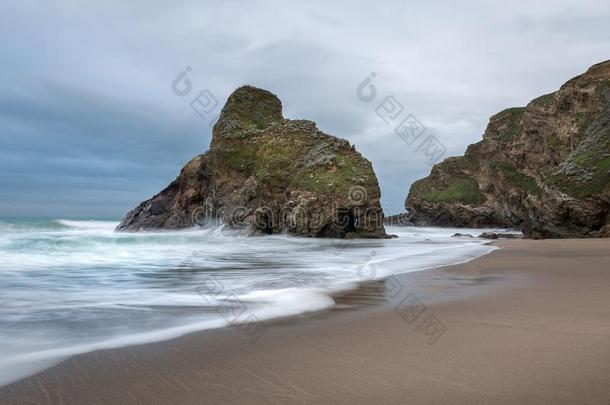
528,323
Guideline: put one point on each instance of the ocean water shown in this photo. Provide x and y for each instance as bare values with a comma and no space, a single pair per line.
69,287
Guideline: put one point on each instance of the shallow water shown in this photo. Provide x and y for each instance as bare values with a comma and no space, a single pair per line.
69,287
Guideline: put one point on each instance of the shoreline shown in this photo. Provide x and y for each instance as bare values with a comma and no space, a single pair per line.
29,364
201,362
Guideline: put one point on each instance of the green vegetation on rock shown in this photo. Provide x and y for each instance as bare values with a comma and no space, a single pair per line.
459,163
587,170
240,156
530,160
459,189
544,101
552,141
347,171
508,123
267,168
516,178
254,107
597,181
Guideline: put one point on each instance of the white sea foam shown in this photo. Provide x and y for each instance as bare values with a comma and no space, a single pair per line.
70,287
90,224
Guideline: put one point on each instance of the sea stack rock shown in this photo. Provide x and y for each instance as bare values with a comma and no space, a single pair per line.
267,174
544,168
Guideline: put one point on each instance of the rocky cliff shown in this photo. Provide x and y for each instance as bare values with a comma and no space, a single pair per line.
544,168
267,174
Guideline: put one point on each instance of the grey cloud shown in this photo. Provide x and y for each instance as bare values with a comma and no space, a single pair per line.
89,126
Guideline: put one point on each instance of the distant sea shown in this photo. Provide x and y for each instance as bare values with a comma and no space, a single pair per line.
70,287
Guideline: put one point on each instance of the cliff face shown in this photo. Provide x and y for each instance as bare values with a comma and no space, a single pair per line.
268,174
544,168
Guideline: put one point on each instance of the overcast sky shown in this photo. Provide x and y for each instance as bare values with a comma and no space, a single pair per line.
89,125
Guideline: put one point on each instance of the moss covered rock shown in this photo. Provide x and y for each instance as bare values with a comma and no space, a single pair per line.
544,168
267,174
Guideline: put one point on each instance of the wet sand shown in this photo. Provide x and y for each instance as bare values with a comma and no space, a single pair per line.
528,323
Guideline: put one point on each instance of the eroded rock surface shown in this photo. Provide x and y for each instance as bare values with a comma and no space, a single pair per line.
544,168
268,174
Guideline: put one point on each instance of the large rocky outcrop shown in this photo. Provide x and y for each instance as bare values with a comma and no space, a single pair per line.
268,174
544,168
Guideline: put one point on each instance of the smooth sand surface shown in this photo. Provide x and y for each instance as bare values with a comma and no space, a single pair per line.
529,323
